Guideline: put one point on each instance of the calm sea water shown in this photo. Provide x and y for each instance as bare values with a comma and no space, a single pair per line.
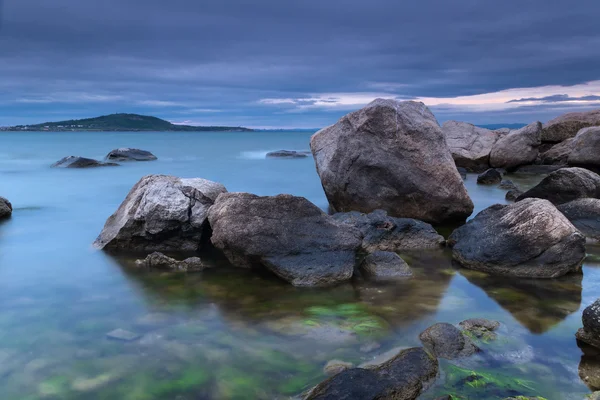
226,333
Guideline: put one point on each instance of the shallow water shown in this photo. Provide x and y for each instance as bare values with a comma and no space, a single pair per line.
227,333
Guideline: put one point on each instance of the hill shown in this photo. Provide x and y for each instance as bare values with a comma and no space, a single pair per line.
122,122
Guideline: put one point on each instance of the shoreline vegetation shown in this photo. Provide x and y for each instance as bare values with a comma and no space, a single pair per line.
120,123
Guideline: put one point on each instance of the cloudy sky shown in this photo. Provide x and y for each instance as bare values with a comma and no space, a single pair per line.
296,63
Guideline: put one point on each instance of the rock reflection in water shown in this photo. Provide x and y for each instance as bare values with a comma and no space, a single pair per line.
538,304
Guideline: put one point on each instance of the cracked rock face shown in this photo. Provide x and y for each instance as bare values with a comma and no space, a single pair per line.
161,213
392,156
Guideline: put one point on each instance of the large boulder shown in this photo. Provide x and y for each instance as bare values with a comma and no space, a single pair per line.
590,333
565,185
567,125
285,234
558,154
128,154
80,162
447,341
382,232
519,147
392,156
404,377
161,213
586,148
585,215
382,265
470,145
530,238
5,208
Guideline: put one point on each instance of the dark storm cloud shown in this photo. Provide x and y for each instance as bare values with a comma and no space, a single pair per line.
556,98
221,58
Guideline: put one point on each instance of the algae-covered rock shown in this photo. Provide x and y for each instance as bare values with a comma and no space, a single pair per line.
446,341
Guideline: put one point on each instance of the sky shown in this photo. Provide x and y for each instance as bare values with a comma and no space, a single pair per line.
296,63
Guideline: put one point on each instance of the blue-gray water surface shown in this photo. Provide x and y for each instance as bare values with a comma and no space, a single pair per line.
227,333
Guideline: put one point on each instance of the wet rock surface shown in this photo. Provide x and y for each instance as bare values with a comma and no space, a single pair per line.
490,177
480,327
5,208
565,185
160,261
161,213
590,333
530,238
382,265
513,194
287,235
382,232
129,154
446,341
81,162
585,215
392,156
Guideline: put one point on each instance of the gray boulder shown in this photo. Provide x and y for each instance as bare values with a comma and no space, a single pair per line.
447,341
285,234
585,215
404,377
161,213
480,327
586,148
288,154
128,154
470,145
490,177
160,261
565,185
519,147
5,208
590,333
566,126
392,156
382,232
558,154
80,162
530,239
384,265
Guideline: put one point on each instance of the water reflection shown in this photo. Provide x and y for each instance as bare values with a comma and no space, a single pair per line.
538,304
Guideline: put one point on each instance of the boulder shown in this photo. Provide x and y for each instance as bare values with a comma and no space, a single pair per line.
158,260
566,126
392,156
519,147
447,341
384,265
590,333
161,213
5,208
585,215
382,232
404,377
489,177
564,185
128,154
507,185
557,154
586,148
530,238
513,194
285,234
80,162
470,145
288,154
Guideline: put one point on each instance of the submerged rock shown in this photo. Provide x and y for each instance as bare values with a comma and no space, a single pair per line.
565,185
470,145
392,156
585,215
507,184
288,154
128,154
446,341
382,232
463,172
519,147
161,213
404,377
384,265
586,148
80,162
158,260
334,367
5,208
122,335
480,327
513,194
590,333
489,177
567,125
287,235
530,238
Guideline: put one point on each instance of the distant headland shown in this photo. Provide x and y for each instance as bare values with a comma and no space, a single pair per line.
121,122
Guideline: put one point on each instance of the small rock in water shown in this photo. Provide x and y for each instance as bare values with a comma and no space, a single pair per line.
489,177
385,265
507,184
481,327
5,208
513,195
590,333
128,154
463,172
158,260
447,341
334,367
80,162
122,334
288,154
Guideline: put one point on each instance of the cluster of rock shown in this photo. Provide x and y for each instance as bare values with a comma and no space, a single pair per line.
122,154
5,208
